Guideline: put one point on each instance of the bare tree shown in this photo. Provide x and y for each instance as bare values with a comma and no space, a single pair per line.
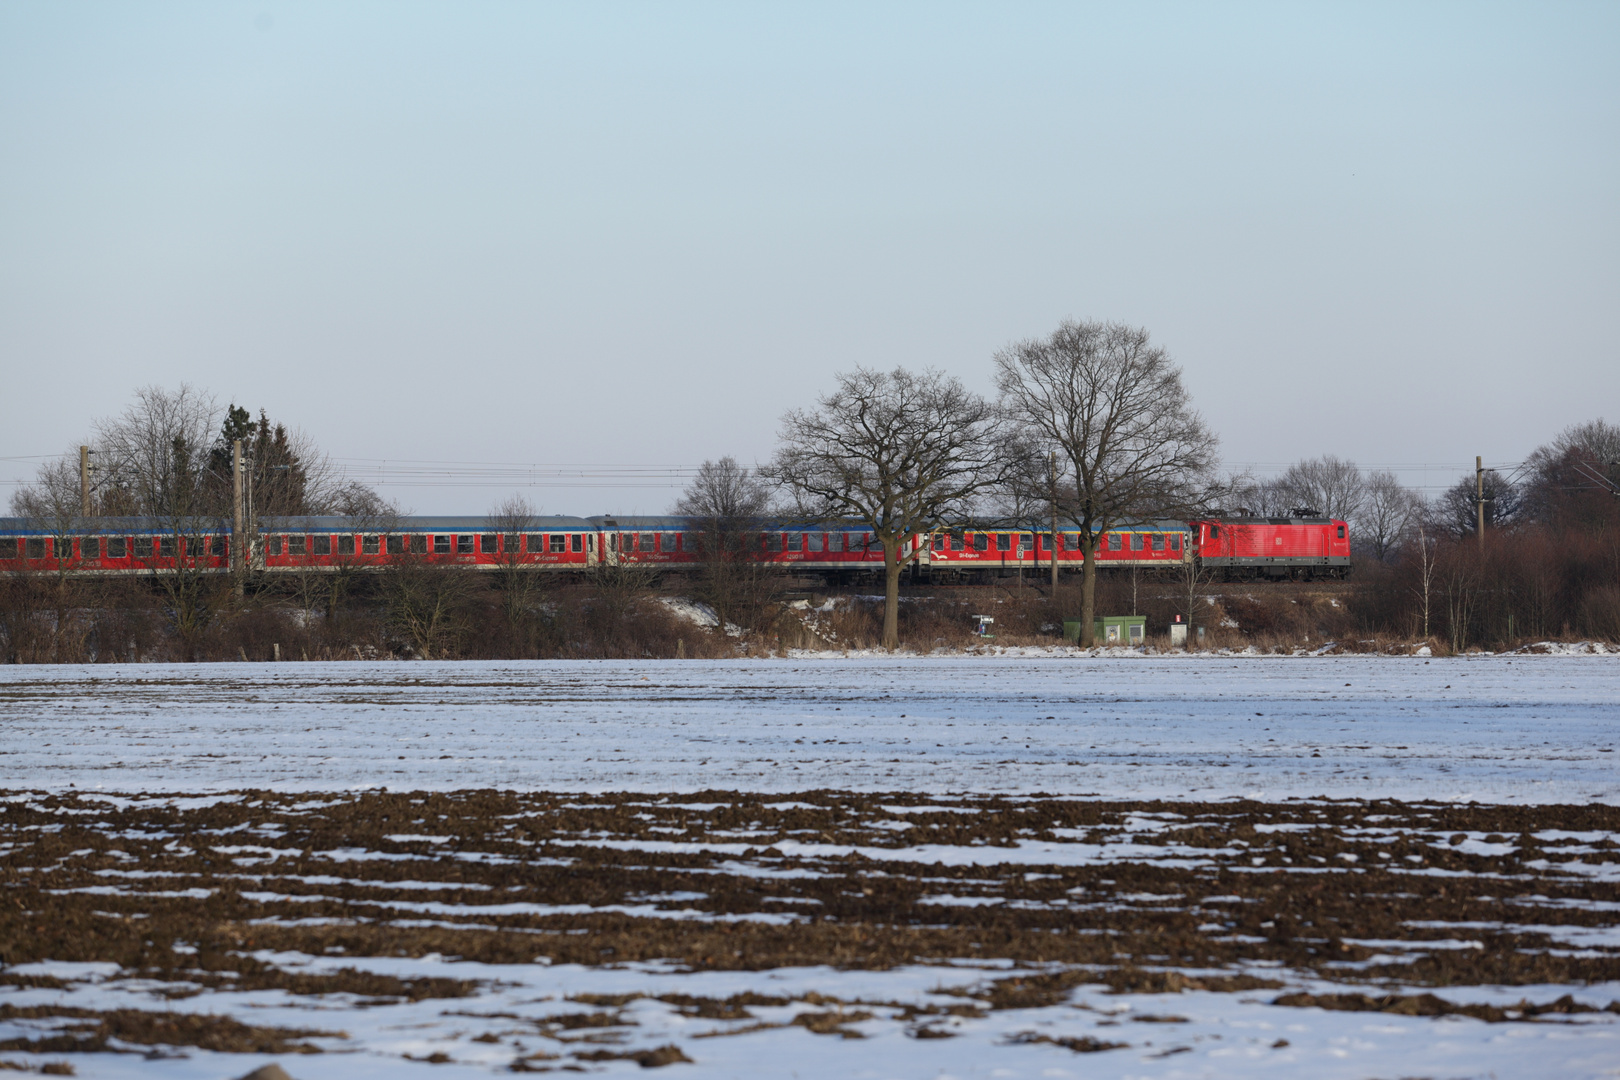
521,581
1114,406
727,504
1455,511
1328,485
1387,514
1575,479
1426,567
900,452
157,457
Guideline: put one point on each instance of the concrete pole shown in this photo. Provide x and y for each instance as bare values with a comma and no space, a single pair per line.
1051,545
84,481
238,526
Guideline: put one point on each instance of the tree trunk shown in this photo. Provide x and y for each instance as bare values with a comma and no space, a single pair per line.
891,593
1088,588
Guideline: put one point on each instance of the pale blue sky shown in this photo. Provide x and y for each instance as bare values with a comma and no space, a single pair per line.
638,233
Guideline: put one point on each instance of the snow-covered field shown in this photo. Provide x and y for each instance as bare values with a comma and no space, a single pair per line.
1338,867
1525,729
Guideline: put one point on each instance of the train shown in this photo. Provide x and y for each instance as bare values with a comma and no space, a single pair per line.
1304,546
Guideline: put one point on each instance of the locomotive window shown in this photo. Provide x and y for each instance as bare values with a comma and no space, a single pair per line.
1341,532
576,542
297,545
320,545
464,544
167,547
90,547
559,543
419,544
487,544
219,547
441,545
36,547
117,547
1003,541
981,541
1214,532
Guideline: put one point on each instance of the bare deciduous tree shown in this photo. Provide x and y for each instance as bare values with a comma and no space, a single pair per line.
157,456
1328,485
900,452
520,580
1386,516
727,504
1114,407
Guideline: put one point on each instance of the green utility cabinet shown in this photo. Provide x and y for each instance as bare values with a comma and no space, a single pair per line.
1111,629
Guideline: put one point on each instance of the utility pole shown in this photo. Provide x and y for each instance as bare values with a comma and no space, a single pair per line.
1479,498
238,526
1052,541
84,481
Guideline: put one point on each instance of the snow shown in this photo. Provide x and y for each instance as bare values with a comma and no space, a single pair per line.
1530,728
1195,1034
1519,729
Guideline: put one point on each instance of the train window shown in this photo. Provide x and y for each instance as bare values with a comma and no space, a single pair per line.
219,546
981,541
671,541
487,544
36,547
345,545
1004,541
512,544
1136,541
117,547
1175,541
167,547
368,545
613,541
1158,541
320,545
441,544
62,548
536,543
773,541
419,544
646,542
1214,532
1071,541
397,545
297,545
590,542
90,547
1341,532
464,544
576,542
559,543
1116,541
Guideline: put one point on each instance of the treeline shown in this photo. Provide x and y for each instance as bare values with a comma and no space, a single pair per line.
1092,426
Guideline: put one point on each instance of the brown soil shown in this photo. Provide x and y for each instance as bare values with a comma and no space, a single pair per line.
204,892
